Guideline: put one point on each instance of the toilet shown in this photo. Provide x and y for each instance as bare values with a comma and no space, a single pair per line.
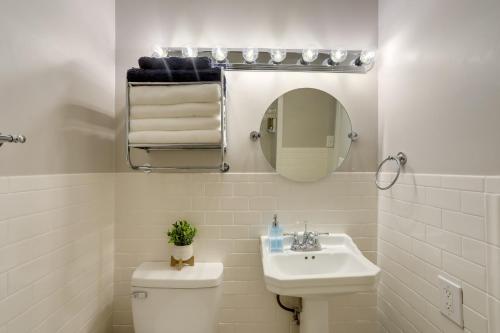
165,299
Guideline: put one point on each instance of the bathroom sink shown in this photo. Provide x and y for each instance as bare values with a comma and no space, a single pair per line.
316,275
339,267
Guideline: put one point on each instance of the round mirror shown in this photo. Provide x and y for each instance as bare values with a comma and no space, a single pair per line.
305,134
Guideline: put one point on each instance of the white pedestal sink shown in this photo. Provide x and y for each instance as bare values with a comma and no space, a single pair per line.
338,268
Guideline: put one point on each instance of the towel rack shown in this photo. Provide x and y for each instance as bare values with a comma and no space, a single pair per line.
223,166
400,160
11,139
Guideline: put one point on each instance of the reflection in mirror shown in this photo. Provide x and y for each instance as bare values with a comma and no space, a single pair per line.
305,134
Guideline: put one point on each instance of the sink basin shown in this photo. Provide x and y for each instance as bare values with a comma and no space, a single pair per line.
339,267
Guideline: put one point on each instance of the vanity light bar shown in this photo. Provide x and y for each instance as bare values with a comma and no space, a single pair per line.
278,59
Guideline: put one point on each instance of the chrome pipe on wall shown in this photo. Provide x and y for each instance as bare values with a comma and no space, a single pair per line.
12,139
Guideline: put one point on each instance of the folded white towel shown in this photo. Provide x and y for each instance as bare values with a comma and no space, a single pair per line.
175,94
175,124
174,137
176,110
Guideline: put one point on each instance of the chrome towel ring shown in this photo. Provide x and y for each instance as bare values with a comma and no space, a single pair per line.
400,160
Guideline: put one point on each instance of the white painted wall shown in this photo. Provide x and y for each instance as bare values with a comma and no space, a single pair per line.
291,24
232,210
438,102
438,84
57,85
56,231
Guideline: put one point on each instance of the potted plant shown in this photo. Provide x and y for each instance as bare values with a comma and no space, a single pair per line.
181,235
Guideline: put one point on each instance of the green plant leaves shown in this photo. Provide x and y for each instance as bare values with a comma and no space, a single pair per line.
182,233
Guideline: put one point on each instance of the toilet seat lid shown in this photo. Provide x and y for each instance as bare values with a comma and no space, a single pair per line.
161,275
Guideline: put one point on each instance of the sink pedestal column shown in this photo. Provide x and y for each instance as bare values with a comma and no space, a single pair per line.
314,315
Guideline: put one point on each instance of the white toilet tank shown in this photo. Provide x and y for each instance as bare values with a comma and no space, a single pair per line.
165,300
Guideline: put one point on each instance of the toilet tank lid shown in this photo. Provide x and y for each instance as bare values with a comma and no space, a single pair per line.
161,275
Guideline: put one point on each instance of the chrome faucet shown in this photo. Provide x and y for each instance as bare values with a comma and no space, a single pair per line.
309,241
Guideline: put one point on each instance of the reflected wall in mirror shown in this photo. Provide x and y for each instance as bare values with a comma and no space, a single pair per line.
305,134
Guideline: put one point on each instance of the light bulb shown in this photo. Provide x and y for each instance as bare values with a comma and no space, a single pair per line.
338,55
219,54
278,55
250,54
367,57
189,52
159,51
309,55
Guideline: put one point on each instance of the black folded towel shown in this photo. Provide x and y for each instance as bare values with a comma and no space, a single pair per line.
162,75
175,63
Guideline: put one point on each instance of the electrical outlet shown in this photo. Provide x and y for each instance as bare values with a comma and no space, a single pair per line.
451,301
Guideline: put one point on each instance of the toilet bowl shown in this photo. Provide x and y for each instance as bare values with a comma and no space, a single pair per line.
165,299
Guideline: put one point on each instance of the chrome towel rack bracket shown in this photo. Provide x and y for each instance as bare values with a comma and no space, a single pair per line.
400,160
11,139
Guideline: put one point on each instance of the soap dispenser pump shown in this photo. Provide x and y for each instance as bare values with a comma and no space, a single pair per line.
275,236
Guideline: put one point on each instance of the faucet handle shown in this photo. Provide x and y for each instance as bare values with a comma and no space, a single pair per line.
295,239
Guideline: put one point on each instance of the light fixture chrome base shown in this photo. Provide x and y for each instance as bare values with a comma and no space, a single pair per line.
292,63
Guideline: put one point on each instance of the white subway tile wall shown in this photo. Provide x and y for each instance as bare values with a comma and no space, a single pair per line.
56,246
432,225
56,253
231,211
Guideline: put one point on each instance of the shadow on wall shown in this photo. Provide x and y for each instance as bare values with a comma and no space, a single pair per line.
88,136
67,113
87,119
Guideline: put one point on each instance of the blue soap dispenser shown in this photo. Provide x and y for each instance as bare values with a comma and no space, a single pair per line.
275,236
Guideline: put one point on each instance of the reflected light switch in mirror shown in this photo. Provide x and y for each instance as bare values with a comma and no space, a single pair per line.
330,139
271,125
